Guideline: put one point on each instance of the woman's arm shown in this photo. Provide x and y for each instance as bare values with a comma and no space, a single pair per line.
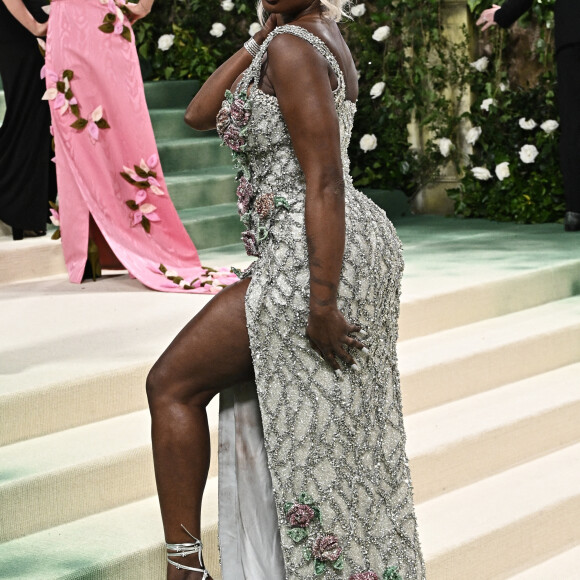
21,13
300,77
204,107
504,15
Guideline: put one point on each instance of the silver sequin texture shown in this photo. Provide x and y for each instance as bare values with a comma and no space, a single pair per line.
339,439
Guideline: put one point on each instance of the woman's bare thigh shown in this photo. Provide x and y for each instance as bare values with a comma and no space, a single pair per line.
211,353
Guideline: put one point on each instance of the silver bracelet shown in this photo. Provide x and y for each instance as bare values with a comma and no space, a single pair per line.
252,47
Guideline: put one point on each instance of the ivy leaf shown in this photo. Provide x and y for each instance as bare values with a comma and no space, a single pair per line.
319,567
146,224
128,178
140,171
75,111
126,34
297,534
162,268
107,28
102,124
392,573
68,74
60,86
339,564
68,95
80,124
132,204
287,506
110,17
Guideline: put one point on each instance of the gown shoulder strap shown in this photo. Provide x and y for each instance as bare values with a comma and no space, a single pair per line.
254,72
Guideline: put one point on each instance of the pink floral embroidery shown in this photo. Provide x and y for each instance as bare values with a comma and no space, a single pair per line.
206,280
114,20
144,178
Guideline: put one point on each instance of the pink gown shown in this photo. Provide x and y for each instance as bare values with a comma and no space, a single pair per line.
107,161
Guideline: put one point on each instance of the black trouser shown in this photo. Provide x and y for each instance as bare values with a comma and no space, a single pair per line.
568,60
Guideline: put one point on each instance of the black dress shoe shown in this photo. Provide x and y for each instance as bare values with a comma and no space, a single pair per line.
572,221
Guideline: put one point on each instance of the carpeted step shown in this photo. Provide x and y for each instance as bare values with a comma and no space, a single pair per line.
65,476
179,155
204,187
170,94
464,361
212,226
564,566
456,444
125,543
169,124
500,524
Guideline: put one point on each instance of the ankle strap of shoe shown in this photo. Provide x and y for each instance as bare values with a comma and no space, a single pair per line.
187,549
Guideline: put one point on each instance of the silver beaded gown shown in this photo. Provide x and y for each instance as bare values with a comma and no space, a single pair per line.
314,480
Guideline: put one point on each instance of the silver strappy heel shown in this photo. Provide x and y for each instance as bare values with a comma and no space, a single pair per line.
175,550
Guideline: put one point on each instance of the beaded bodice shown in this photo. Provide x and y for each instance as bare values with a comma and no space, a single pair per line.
251,124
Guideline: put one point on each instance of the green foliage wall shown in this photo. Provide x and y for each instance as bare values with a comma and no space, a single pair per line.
427,79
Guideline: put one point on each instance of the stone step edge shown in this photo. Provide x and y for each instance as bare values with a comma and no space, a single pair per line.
424,316
122,543
94,469
456,444
484,355
472,456
476,532
563,566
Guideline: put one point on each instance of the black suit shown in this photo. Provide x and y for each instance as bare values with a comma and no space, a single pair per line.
567,29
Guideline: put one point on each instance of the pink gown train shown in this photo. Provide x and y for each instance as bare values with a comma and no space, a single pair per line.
107,164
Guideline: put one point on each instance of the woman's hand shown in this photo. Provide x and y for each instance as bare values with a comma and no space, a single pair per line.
328,332
487,17
139,10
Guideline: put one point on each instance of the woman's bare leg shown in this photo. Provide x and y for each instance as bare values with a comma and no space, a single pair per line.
211,353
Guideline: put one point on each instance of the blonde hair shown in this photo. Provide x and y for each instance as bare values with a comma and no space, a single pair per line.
334,9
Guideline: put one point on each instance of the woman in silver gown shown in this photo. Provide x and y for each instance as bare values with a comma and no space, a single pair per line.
313,476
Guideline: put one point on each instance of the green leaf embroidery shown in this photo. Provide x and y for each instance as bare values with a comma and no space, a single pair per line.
391,573
75,110
287,507
307,553
68,74
110,17
162,268
146,224
281,202
339,564
102,124
107,28
126,34
60,86
128,178
68,95
79,124
319,567
131,204
297,534
306,499
140,171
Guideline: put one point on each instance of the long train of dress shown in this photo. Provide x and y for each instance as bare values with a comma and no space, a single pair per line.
313,478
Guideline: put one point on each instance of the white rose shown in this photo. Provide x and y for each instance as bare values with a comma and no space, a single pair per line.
549,126
502,170
503,87
528,153
254,28
381,33
473,135
368,142
480,64
217,29
481,173
527,124
444,146
377,90
486,104
165,42
227,5
358,10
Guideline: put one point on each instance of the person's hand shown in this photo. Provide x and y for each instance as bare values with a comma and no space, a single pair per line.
269,25
137,11
487,17
328,332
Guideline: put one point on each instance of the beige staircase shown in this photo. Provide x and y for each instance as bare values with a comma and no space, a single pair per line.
490,362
